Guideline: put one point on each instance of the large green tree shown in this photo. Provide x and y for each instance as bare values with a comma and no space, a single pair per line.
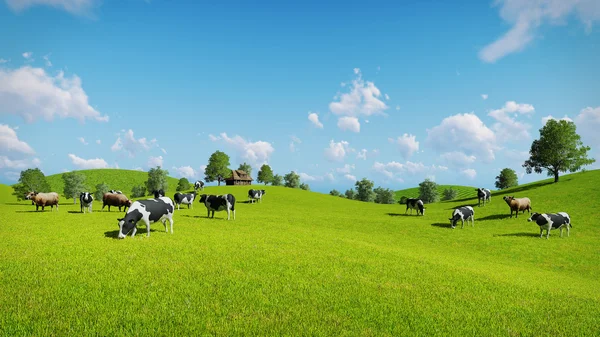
364,190
559,149
183,185
74,183
428,191
507,178
246,168
100,190
292,180
217,168
277,180
265,175
31,180
157,180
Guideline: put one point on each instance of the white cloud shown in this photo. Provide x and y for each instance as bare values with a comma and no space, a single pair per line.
470,173
337,151
458,159
362,100
392,169
27,55
346,169
82,141
350,177
18,164
213,137
98,141
47,60
256,153
349,124
463,132
549,117
362,154
295,140
127,142
10,142
314,118
507,127
484,96
86,164
77,7
185,172
407,145
588,124
155,161
33,94
387,97
163,150
306,177
527,16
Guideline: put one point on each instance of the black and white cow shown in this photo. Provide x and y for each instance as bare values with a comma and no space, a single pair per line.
484,194
199,185
158,193
218,203
463,213
416,204
148,211
549,221
184,198
85,200
115,192
256,194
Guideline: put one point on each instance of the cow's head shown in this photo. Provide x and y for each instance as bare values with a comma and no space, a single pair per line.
533,217
30,195
263,192
128,223
203,198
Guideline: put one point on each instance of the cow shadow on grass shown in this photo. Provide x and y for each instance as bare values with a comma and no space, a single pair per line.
521,234
442,224
34,211
141,231
397,214
495,217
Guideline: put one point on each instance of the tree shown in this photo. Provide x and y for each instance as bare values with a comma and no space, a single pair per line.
292,180
100,190
364,190
277,180
403,200
74,184
304,186
507,178
450,194
428,191
265,175
157,180
217,168
31,180
559,149
138,191
384,195
183,185
335,193
246,168
350,194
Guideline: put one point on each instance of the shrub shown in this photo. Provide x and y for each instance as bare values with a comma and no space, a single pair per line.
450,194
138,191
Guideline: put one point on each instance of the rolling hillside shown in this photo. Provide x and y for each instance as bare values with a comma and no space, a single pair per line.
463,192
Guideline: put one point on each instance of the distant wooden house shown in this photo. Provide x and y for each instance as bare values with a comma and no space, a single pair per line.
238,177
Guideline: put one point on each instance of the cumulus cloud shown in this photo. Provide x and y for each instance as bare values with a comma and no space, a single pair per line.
256,153
337,151
33,94
549,117
155,161
507,127
362,154
307,177
457,159
350,177
10,142
27,55
86,164
349,124
394,169
527,16
128,143
346,169
82,141
469,173
314,118
185,172
76,7
364,99
407,145
18,164
484,96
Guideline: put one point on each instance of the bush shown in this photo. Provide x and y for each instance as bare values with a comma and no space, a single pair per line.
507,178
138,191
384,195
364,190
100,190
292,180
450,194
350,194
335,193
182,185
277,180
304,186
428,191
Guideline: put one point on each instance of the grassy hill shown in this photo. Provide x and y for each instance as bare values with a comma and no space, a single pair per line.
304,263
463,191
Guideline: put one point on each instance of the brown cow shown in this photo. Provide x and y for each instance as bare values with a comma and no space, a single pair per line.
44,199
117,200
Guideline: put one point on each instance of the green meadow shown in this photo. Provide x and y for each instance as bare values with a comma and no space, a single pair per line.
304,263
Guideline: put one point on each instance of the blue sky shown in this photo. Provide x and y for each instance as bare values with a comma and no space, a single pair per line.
402,92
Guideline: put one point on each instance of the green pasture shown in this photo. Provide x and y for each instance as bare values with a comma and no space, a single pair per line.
304,263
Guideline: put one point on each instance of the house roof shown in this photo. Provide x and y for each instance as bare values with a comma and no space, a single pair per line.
239,175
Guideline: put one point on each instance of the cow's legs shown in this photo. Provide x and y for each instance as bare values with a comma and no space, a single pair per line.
134,231
165,224
228,214
541,231
171,223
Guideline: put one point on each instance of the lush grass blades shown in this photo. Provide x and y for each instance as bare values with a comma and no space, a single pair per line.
303,263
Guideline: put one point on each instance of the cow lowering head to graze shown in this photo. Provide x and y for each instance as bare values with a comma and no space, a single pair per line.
116,200
416,204
158,193
44,199
256,194
148,211
184,198
550,221
199,185
462,213
518,204
484,194
218,203
85,200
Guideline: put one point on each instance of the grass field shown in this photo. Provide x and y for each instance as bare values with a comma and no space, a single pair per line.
303,263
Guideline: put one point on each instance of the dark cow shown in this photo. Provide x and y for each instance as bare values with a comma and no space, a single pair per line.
484,194
416,204
117,200
218,203
148,211
115,192
549,221
184,198
158,193
256,194
199,185
462,214
85,200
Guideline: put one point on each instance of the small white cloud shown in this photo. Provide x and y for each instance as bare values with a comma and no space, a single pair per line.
82,141
213,137
47,60
362,100
314,118
484,96
18,164
394,169
362,154
337,151
470,173
127,142
98,141
163,150
349,124
256,153
329,176
350,177
356,71
307,177
407,145
186,172
387,97
27,55
155,161
295,140
86,164
346,169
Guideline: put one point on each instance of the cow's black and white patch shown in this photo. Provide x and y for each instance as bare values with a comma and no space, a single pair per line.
462,214
549,221
256,194
484,194
85,200
218,203
199,185
184,198
416,204
158,193
115,192
148,211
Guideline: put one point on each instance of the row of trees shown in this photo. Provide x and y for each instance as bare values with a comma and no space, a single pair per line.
363,191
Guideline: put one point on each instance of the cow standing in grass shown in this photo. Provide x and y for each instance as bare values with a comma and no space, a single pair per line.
484,194
85,201
184,198
256,195
44,199
218,203
199,185
148,211
462,214
549,221
416,204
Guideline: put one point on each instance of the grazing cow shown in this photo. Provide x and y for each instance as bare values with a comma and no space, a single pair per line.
462,214
85,200
484,194
218,203
199,185
184,198
549,221
416,204
158,193
44,199
518,204
149,211
117,200
256,194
